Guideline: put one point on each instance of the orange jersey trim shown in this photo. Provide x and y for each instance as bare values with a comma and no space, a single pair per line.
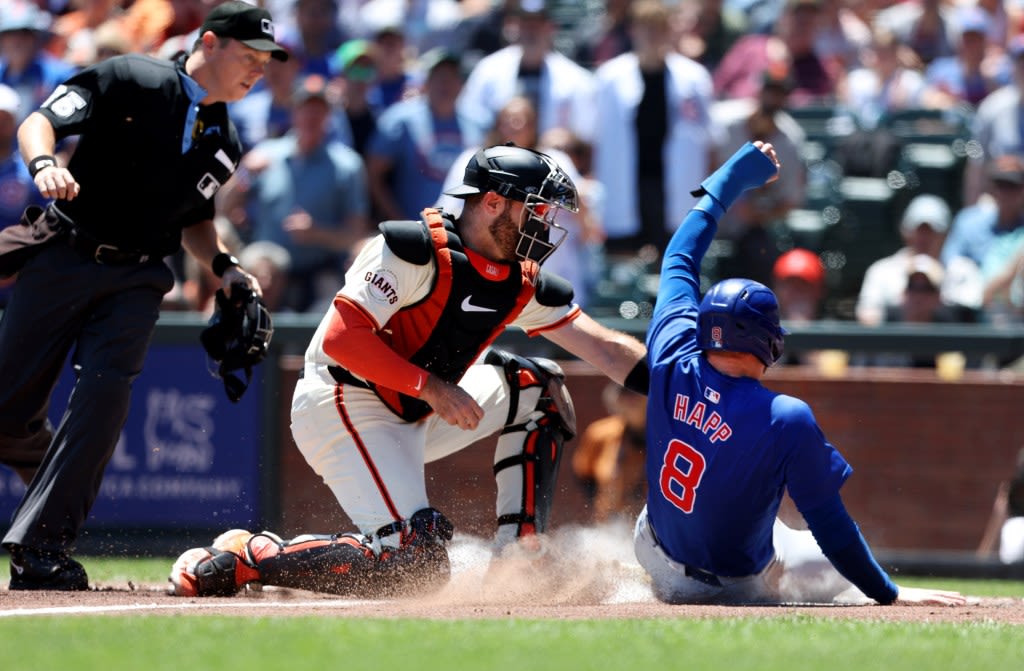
573,314
352,340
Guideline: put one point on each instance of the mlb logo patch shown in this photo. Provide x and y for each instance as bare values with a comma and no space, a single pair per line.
208,186
716,334
712,395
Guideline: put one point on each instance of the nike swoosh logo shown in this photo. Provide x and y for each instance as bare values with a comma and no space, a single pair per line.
467,306
17,569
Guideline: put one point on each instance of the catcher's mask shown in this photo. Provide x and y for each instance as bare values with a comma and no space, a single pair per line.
237,338
533,179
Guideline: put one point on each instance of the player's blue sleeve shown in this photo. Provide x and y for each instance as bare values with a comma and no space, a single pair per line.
674,315
841,541
748,168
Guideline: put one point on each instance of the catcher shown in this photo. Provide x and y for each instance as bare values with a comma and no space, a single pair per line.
398,374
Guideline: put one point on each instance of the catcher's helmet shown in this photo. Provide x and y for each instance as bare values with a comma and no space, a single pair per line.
739,315
237,337
530,177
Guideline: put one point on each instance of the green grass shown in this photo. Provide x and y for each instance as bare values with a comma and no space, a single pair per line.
777,643
783,644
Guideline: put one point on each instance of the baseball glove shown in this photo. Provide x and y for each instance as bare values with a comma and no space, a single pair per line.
237,337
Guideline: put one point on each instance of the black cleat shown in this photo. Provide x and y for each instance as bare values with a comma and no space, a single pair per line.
33,569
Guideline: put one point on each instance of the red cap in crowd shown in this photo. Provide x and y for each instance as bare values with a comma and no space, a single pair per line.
801,263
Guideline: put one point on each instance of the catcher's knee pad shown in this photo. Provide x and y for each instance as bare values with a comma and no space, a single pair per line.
206,572
537,443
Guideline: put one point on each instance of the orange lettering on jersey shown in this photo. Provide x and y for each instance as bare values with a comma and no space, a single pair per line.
682,403
696,417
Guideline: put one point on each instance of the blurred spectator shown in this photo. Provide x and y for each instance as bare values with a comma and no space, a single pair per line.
591,195
267,112
976,227
517,123
751,222
427,24
996,126
653,108
481,33
270,263
74,33
972,73
25,65
920,303
560,90
1004,532
798,279
1003,301
307,193
108,40
179,36
709,29
609,459
315,36
17,190
889,80
921,300
923,229
842,35
1004,21
792,44
393,82
926,26
149,24
354,71
607,37
417,141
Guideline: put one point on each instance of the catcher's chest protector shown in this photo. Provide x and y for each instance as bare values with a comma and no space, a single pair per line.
467,308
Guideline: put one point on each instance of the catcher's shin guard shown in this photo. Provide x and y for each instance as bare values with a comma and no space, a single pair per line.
420,564
529,452
348,565
342,564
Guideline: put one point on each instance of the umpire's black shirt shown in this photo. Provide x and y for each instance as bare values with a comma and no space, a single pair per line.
137,188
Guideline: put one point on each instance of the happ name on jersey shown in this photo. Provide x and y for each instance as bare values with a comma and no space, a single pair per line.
712,425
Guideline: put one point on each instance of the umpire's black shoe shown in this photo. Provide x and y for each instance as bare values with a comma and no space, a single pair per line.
45,570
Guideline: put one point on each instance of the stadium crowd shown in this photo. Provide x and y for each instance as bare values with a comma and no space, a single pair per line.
900,123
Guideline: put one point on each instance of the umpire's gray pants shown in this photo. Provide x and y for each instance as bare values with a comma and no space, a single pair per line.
107,313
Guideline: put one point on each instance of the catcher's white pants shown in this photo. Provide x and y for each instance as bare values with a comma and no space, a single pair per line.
373,461
800,573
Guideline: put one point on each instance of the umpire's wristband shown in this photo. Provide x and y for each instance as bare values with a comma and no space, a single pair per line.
41,162
639,379
222,262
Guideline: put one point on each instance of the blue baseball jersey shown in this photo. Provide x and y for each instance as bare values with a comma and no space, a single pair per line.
721,450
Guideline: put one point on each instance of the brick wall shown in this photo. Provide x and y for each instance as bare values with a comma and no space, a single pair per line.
927,456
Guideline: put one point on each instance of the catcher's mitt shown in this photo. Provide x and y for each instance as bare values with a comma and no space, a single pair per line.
237,337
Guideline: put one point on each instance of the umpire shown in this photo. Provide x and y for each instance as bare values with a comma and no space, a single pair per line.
155,145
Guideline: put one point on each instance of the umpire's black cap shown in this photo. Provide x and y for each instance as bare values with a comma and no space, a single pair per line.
250,25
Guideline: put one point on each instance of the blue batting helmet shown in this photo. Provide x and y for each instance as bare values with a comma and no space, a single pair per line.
740,315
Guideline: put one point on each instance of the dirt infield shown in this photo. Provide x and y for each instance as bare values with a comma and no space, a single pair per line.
603,582
151,600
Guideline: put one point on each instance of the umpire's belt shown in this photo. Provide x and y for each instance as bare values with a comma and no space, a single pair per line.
342,376
102,253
